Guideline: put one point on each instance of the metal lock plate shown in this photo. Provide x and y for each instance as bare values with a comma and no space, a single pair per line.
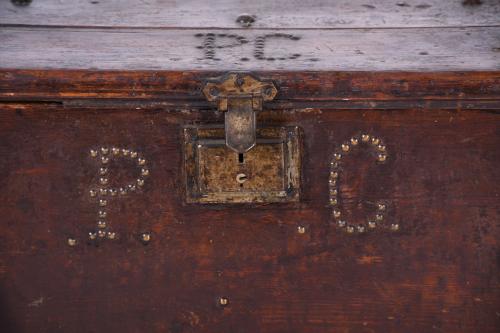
239,96
269,172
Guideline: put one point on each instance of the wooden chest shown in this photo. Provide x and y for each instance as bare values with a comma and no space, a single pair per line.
280,166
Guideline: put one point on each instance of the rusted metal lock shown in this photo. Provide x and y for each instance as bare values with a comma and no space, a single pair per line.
240,163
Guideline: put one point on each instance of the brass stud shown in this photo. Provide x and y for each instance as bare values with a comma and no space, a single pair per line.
111,235
125,152
115,151
394,227
101,233
104,150
360,228
337,156
301,229
131,187
334,174
333,191
71,241
104,160
349,229
92,235
381,206
144,172
112,191
122,190
133,154
103,181
93,153
101,224
365,137
332,182
103,191
103,202
381,157
381,148
334,164
337,213
141,161
345,147
333,201
93,193
103,171
140,182
371,224
223,301
379,217
354,141
145,237
102,214
375,141
341,223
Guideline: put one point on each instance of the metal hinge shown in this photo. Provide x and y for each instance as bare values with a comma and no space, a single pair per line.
240,96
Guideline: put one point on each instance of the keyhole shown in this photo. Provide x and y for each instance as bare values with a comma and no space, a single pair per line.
241,158
241,178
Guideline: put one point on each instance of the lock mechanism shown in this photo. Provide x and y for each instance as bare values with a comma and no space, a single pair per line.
240,96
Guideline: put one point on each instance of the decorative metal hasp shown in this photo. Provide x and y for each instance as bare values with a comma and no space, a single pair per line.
240,96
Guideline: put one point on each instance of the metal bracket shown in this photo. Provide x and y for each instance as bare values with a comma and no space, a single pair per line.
239,95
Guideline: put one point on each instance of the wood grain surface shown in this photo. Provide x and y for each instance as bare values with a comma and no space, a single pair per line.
269,14
417,49
423,76
438,273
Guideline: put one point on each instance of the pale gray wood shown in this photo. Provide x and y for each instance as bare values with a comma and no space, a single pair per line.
270,13
431,49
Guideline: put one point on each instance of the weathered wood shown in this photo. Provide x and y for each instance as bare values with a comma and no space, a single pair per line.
450,49
269,14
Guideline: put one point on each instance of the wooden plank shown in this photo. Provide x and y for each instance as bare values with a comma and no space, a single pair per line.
269,14
450,49
149,89
439,272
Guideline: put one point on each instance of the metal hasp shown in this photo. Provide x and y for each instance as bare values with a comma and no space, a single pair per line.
240,96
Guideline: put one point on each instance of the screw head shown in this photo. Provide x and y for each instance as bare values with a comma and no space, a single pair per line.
71,241
239,81
268,91
301,229
214,91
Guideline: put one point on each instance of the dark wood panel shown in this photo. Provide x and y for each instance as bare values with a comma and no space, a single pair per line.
269,14
439,272
430,49
296,89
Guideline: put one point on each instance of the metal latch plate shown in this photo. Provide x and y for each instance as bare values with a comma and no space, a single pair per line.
270,172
